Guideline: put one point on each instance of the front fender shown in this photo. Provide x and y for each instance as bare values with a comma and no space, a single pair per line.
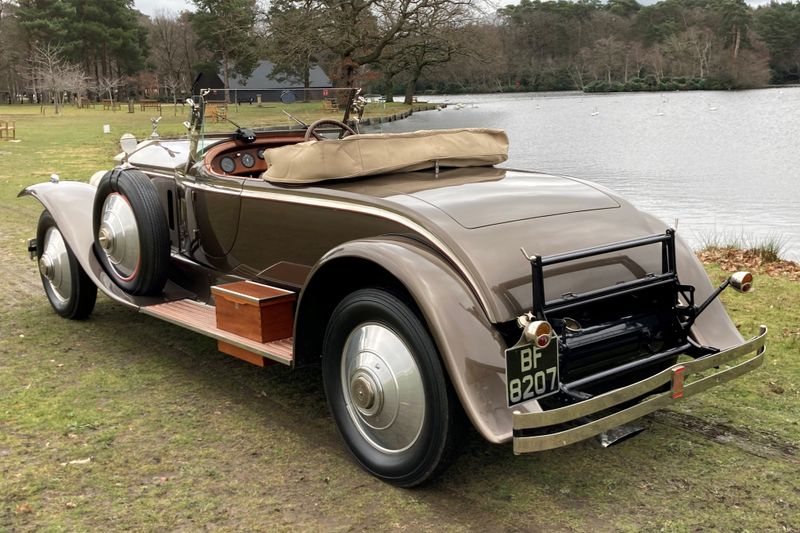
70,203
471,348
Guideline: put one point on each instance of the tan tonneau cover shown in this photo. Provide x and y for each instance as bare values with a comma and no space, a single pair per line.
380,153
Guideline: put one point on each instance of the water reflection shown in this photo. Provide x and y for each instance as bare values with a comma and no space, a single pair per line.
715,163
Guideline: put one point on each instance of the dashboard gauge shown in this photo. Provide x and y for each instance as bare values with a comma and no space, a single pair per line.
248,160
260,153
228,165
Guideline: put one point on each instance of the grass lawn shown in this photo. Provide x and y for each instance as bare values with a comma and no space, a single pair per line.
126,422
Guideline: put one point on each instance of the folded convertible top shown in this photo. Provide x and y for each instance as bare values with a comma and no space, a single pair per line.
381,153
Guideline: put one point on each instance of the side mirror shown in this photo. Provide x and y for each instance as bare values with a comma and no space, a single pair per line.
742,281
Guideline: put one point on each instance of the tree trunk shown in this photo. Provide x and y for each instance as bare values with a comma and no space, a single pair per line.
225,75
347,72
626,68
736,43
411,87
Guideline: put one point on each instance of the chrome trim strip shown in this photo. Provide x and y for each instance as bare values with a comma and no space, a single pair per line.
366,210
615,397
246,297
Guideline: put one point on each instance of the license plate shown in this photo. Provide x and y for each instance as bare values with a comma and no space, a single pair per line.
531,372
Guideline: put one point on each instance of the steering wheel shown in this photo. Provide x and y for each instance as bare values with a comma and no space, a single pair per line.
346,130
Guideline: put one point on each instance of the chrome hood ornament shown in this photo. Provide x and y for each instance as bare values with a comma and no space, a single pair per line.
154,121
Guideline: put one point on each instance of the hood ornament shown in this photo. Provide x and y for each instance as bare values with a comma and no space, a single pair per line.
154,122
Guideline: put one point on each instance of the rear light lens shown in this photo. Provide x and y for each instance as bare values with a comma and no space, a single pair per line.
542,341
742,281
539,332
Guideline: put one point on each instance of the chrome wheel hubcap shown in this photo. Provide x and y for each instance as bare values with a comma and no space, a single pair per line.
54,264
383,389
118,235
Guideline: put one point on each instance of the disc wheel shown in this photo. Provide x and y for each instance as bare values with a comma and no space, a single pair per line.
69,290
130,232
387,390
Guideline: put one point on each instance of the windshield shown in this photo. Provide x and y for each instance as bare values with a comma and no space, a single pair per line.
224,110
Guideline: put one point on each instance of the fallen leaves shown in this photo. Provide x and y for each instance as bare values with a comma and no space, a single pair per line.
24,508
733,259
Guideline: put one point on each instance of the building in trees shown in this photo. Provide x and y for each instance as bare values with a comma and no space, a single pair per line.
264,76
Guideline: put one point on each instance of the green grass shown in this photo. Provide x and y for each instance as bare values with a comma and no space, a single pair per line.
182,437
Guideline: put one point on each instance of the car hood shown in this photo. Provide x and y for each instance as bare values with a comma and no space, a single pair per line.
165,155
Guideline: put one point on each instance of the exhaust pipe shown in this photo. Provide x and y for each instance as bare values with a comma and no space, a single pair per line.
618,434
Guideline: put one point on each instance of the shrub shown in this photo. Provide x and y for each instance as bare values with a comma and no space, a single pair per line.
596,86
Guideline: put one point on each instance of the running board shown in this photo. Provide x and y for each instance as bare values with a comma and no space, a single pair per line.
202,319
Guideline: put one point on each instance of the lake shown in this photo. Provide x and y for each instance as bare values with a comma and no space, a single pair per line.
718,165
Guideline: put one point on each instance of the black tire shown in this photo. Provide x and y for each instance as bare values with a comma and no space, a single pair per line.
150,274
78,300
434,447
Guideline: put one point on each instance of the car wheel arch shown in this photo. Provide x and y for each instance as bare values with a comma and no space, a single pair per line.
446,306
326,288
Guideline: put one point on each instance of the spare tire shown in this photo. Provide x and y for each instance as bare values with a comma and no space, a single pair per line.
131,237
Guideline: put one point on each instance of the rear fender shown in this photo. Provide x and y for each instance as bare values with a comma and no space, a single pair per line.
70,203
471,348
713,327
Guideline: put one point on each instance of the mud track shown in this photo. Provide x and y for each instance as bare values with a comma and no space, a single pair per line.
759,444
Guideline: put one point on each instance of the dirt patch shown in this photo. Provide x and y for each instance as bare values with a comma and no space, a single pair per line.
752,442
733,259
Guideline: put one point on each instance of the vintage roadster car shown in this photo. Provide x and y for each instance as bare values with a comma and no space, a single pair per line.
427,282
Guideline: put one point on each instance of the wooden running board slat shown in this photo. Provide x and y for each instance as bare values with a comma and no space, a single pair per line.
201,318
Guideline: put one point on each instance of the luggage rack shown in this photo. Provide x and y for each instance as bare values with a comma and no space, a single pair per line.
667,276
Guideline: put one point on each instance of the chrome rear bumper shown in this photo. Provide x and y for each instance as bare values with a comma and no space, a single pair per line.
676,375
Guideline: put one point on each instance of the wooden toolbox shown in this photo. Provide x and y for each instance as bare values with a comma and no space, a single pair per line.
254,311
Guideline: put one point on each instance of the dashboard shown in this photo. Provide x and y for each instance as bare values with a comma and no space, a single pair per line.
235,158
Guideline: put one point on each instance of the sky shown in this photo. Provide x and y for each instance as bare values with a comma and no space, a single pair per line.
151,7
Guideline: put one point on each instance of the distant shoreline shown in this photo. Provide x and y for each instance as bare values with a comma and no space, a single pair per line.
424,95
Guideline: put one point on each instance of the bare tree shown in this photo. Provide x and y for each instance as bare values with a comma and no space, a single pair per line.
172,83
77,83
165,35
108,85
363,32
54,75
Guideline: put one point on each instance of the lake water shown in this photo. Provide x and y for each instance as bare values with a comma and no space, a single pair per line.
724,164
